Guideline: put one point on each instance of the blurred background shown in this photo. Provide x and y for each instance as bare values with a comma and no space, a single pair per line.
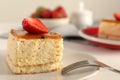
16,10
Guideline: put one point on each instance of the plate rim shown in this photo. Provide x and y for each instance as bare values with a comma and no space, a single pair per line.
88,37
92,59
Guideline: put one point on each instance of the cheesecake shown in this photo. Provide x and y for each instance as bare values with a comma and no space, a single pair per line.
109,29
34,53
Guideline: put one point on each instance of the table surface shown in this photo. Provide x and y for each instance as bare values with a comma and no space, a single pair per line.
110,57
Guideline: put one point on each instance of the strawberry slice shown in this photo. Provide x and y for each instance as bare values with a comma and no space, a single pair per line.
34,26
117,16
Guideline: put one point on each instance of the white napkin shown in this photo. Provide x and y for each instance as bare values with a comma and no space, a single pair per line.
66,30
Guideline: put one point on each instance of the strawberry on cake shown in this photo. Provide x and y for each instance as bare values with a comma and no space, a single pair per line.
34,49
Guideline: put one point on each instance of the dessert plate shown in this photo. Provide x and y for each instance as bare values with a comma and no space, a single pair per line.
91,35
69,56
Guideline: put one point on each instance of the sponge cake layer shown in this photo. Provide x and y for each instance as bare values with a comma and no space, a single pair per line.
26,49
33,69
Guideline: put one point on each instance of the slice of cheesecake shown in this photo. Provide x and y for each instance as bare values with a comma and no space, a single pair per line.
34,53
109,29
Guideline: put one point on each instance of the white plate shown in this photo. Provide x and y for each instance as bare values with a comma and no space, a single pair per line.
52,23
69,56
93,38
91,34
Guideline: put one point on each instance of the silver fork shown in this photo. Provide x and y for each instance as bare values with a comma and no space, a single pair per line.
77,65
87,63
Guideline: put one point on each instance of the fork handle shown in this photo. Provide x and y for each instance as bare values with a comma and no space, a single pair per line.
105,66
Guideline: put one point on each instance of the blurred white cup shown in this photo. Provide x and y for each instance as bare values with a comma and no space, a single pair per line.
82,17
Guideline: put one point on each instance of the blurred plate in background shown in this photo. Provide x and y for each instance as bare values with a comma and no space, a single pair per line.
91,35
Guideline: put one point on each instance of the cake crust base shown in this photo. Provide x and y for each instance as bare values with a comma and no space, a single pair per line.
33,69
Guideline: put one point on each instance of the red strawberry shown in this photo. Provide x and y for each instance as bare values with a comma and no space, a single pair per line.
117,16
46,13
33,15
34,26
59,13
39,10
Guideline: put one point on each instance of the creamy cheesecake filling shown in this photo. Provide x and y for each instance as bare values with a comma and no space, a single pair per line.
109,29
111,37
24,52
28,53
34,52
32,65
